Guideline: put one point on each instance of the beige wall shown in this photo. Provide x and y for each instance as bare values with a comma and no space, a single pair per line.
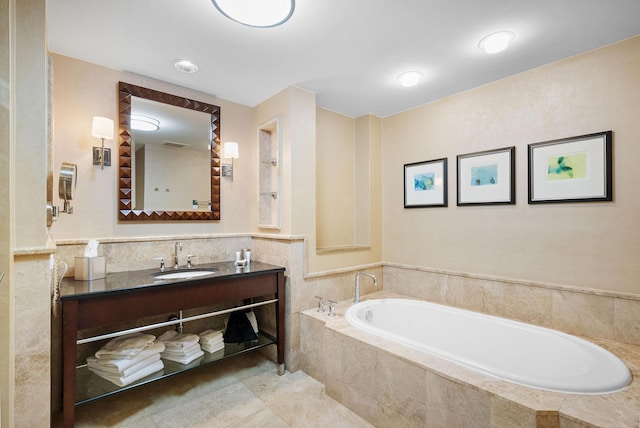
83,90
335,184
594,245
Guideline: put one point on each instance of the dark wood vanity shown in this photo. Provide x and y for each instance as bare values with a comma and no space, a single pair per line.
131,296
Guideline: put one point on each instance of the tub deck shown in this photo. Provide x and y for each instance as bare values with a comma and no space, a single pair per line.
390,384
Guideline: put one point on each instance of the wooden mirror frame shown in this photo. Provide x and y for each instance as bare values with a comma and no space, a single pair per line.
125,180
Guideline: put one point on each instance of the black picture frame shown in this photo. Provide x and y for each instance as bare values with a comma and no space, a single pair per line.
487,177
425,184
575,169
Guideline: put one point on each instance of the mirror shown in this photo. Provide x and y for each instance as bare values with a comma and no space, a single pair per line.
171,172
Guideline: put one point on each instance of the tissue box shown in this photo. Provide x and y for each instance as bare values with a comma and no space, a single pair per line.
90,268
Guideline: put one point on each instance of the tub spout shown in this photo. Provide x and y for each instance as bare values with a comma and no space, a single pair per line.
356,298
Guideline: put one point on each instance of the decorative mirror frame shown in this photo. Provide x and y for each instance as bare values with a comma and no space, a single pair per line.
125,181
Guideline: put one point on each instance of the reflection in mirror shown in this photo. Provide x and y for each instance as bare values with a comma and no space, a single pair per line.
169,138
171,171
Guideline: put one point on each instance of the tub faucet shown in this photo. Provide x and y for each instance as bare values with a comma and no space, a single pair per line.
175,257
357,293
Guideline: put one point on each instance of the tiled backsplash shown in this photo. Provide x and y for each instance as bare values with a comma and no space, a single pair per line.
580,311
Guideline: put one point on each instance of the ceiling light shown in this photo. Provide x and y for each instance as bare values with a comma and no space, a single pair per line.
144,123
410,78
185,66
496,42
256,13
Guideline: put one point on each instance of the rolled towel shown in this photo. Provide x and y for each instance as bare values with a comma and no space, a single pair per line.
174,340
98,369
126,380
121,364
125,346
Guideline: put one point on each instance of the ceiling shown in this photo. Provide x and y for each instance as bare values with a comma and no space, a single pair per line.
348,52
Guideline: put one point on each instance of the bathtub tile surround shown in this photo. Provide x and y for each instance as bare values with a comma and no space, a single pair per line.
453,395
580,311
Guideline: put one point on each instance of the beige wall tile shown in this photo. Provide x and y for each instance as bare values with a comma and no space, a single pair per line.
402,388
626,321
450,404
506,414
583,314
529,304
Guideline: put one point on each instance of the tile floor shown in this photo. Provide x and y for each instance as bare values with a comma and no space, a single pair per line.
245,391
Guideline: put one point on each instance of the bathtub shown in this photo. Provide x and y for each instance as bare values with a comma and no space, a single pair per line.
522,353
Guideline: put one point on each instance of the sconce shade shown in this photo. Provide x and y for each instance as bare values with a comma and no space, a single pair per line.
231,150
102,128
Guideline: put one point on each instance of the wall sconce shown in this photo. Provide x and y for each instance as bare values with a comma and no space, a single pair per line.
102,128
230,151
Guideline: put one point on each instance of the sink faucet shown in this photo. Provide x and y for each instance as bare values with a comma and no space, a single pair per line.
175,257
357,294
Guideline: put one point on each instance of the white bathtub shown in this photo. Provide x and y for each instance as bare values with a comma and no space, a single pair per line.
521,353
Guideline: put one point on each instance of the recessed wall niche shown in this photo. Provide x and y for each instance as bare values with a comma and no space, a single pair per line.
269,174
343,185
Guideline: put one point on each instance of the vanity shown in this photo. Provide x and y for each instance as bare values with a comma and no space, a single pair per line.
105,305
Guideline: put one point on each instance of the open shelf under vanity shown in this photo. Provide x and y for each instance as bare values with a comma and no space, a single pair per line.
105,305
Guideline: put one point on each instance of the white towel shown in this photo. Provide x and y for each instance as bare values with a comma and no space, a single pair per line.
120,364
184,359
96,367
174,340
126,380
182,352
213,348
210,343
125,346
252,320
208,335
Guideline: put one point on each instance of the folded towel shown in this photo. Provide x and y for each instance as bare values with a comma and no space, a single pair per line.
211,343
184,359
126,380
208,335
117,365
174,340
125,346
182,352
96,367
213,348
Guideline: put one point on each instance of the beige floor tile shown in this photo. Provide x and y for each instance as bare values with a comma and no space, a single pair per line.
245,391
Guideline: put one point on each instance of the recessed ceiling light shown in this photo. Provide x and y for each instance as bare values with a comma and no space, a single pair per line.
185,66
496,42
256,13
144,123
410,78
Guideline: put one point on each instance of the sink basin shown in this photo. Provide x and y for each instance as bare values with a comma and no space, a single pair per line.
183,274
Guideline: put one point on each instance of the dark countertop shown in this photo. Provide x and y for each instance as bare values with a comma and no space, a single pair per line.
122,282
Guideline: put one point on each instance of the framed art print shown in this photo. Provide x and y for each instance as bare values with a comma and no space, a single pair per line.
425,184
487,178
576,169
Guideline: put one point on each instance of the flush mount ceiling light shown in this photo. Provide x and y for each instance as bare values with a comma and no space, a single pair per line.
185,66
256,13
496,42
144,123
410,78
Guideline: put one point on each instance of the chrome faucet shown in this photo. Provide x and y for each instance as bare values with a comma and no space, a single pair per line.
175,257
357,294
